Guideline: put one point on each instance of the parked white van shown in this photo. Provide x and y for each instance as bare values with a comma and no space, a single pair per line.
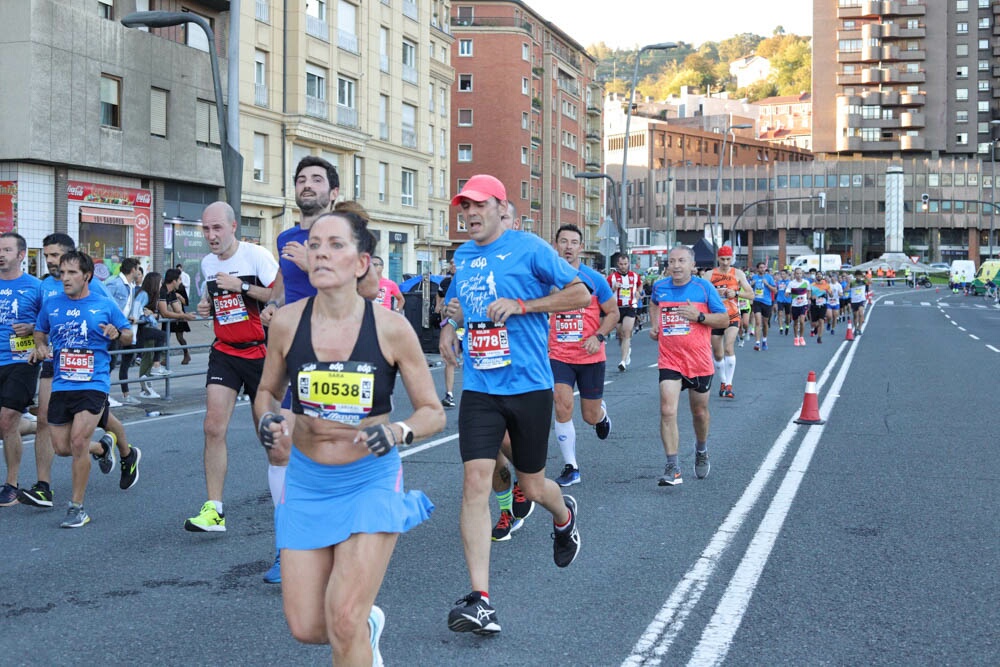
806,262
962,271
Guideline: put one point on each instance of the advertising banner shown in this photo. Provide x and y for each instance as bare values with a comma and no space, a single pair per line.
8,206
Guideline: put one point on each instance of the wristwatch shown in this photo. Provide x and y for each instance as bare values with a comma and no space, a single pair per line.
701,317
407,432
599,337
244,288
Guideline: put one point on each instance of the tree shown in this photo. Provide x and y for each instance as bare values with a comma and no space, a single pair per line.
791,68
737,47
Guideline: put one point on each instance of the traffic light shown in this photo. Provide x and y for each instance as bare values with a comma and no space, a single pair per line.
925,200
822,200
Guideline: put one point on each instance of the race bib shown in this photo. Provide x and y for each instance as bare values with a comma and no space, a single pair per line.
76,365
758,292
821,301
230,308
341,391
489,346
569,327
625,293
21,346
672,323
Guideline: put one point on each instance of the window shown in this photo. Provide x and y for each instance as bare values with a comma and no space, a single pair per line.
441,192
524,155
961,94
984,44
409,177
383,49
984,106
465,152
430,139
444,143
206,126
194,35
157,112
524,120
444,102
106,9
983,128
347,108
409,61
525,51
430,185
259,156
383,176
465,83
984,66
316,19
383,117
568,201
347,20
962,138
465,117
962,72
961,5
984,23
111,88
524,189
961,49
961,116
409,125
465,48
359,171
525,85
962,28
260,78
984,86
315,91
430,97
442,224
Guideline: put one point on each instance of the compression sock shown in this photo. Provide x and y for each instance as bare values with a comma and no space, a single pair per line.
566,436
729,369
505,499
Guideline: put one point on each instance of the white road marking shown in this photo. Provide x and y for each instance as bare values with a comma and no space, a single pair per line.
954,322
979,305
944,304
992,348
925,303
973,337
890,303
962,329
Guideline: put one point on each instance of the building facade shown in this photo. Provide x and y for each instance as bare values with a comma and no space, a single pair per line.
102,138
526,109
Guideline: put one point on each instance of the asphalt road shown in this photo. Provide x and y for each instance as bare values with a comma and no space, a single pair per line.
870,540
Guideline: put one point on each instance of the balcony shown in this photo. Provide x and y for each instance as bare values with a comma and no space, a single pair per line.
317,28
409,74
410,10
848,79
260,95
892,52
593,189
872,8
890,98
490,22
911,77
347,116
849,143
911,143
570,86
916,55
593,136
443,27
912,119
316,107
347,41
871,53
590,165
912,99
872,75
593,110
902,8
848,56
871,31
262,11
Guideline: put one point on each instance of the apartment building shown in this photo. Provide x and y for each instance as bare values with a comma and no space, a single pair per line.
367,86
102,131
527,109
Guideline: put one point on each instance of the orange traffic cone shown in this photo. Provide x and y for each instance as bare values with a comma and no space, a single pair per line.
850,331
810,403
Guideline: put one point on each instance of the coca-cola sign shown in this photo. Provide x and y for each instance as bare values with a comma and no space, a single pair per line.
97,193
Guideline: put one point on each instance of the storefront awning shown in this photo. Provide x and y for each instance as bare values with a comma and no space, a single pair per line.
105,216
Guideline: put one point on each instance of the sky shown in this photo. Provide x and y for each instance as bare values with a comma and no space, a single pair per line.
628,23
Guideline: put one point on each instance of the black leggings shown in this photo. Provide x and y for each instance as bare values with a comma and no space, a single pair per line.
146,335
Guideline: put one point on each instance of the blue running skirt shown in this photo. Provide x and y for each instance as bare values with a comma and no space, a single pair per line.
323,505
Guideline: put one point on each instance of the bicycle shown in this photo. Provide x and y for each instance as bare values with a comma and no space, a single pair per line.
992,295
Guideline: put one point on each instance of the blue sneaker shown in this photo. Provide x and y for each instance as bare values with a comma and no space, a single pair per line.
376,623
273,576
569,476
763,345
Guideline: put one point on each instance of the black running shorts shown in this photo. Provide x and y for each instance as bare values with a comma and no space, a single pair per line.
483,418
17,385
699,385
63,405
234,372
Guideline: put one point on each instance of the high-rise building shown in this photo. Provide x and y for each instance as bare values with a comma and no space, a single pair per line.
526,109
898,78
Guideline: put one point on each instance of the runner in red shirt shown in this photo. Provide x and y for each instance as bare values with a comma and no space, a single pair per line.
627,287
238,284
731,284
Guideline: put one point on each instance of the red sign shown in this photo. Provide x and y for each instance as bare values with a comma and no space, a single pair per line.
8,206
94,193
141,234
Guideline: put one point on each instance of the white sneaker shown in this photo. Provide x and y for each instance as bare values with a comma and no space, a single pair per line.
149,393
130,400
160,371
112,402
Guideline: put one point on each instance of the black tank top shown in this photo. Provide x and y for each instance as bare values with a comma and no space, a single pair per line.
370,377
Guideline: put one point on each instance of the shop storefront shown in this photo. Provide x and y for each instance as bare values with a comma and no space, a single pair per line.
114,222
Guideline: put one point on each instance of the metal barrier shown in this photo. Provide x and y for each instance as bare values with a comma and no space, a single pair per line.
168,348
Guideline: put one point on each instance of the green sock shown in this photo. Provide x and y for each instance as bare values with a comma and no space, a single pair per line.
506,500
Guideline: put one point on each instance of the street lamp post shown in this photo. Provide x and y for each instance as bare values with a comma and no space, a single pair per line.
622,222
232,161
590,175
717,228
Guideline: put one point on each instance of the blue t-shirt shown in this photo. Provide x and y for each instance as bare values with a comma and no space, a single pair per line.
19,302
80,355
759,283
297,285
782,297
52,286
596,283
512,358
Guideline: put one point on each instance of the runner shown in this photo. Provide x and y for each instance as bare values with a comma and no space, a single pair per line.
343,507
82,326
20,297
833,305
845,296
388,291
449,369
627,287
576,355
798,291
783,303
239,279
764,290
819,294
505,282
685,309
746,325
731,285
859,297
54,246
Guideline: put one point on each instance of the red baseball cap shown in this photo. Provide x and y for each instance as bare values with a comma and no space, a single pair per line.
480,188
726,251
